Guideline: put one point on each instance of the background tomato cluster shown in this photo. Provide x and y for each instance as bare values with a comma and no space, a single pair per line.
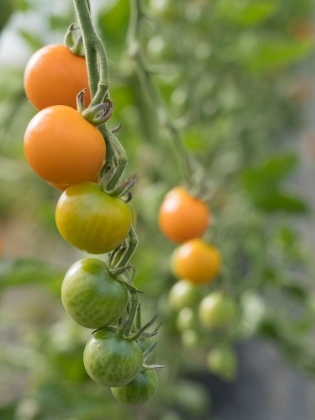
238,81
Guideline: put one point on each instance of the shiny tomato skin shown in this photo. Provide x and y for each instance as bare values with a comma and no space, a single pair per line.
139,391
196,261
183,217
91,295
111,360
62,147
91,220
54,76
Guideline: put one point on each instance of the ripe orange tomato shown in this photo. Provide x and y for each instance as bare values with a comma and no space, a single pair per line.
54,76
182,216
196,261
62,147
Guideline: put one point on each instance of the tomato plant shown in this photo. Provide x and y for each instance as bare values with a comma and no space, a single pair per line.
91,295
138,391
182,216
196,261
111,360
54,76
217,310
62,147
92,220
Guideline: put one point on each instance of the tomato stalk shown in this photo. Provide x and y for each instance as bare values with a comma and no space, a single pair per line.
95,52
187,164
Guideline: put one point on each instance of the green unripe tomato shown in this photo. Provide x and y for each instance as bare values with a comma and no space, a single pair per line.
186,319
140,390
217,310
111,360
223,362
190,338
91,295
182,294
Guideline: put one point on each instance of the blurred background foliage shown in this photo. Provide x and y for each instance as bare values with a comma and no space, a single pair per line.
236,77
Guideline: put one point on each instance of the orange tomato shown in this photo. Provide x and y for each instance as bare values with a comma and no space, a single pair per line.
62,147
182,216
54,76
196,261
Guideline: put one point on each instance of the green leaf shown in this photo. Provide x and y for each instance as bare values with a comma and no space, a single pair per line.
248,12
35,42
14,272
295,291
270,173
277,201
6,10
265,54
262,185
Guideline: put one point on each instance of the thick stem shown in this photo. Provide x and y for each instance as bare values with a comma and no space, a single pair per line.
95,53
186,164
130,249
132,314
115,150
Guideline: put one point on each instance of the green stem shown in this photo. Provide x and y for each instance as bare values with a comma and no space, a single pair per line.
94,52
132,314
116,150
130,249
186,164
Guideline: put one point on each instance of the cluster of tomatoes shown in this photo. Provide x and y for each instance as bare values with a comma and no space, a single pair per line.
184,219
68,151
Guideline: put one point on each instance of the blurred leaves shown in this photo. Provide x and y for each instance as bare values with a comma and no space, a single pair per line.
263,185
247,12
6,12
16,272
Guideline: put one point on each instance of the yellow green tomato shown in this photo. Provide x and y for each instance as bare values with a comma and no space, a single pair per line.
222,361
190,338
92,220
186,319
217,310
183,294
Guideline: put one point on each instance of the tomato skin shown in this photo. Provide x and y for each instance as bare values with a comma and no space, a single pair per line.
91,295
91,220
223,362
183,217
140,390
196,261
111,360
186,319
217,310
182,294
62,147
54,76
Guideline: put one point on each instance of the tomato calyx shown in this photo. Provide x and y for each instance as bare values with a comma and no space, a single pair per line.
146,355
97,114
74,45
122,189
